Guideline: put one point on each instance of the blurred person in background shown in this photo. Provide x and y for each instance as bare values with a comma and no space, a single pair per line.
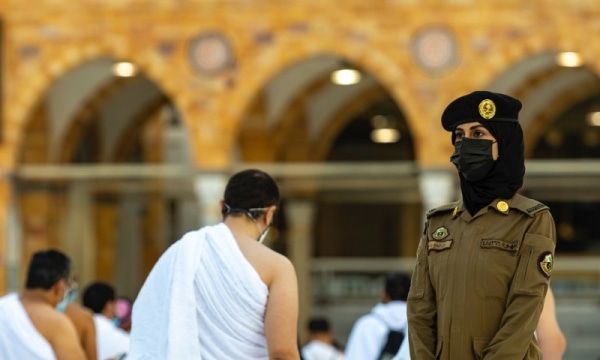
31,327
123,313
83,319
111,342
380,333
321,343
549,335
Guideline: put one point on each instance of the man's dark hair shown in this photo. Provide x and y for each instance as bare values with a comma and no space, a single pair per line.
96,295
318,325
397,285
250,189
46,268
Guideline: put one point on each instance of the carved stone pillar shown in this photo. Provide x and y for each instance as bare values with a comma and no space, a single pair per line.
106,211
437,187
79,231
209,190
300,218
5,200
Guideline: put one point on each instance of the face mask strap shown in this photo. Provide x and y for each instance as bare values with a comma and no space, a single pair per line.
252,213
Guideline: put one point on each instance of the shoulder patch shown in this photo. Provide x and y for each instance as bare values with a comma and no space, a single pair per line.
535,208
527,205
443,208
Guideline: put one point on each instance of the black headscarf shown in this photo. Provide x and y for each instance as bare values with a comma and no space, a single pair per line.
506,177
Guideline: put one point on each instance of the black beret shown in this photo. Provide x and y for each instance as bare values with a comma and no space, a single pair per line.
480,106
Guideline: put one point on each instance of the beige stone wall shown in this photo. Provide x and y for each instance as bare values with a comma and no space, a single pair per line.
46,39
43,44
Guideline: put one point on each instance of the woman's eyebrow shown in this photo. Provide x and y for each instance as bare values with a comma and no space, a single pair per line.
471,128
475,127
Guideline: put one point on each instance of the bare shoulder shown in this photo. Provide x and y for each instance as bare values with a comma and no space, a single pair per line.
269,264
78,312
82,318
278,261
59,326
48,322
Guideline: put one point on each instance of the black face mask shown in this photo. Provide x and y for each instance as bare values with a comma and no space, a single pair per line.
473,158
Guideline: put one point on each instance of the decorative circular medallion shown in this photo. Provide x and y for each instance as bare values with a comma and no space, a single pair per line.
487,109
211,53
434,49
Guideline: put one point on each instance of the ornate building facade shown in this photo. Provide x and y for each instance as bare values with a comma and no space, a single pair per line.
113,166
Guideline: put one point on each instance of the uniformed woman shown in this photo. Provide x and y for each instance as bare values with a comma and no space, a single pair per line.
483,262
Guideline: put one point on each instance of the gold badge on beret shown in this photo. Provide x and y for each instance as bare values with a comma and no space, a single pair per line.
545,264
502,206
487,109
440,233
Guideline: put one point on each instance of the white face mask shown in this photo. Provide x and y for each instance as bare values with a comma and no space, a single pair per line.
263,236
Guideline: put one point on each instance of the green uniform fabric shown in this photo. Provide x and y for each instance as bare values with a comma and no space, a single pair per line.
479,283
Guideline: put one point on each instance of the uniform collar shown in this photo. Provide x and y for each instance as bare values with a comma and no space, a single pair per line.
499,205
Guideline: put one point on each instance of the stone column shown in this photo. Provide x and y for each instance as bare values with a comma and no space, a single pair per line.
437,186
106,211
132,262
79,234
209,190
12,255
5,201
300,217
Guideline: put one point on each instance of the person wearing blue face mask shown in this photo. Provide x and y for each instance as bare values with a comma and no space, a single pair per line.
484,262
30,325
111,342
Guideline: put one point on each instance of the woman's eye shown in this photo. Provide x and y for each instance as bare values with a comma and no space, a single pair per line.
478,134
458,136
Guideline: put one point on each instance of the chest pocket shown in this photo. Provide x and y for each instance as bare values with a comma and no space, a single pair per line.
439,252
495,267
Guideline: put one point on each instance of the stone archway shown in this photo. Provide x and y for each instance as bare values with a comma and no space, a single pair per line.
83,217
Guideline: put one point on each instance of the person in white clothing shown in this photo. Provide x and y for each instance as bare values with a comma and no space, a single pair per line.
370,333
111,342
30,326
320,344
218,293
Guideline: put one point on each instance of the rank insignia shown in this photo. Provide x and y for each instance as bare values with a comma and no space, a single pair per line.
487,109
440,233
545,262
502,206
455,212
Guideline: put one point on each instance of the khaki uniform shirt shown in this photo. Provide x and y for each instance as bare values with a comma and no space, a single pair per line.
479,283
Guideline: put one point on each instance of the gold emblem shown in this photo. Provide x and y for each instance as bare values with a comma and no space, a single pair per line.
487,109
440,233
502,206
546,264
455,212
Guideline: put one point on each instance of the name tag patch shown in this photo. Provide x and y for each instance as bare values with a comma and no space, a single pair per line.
499,244
439,245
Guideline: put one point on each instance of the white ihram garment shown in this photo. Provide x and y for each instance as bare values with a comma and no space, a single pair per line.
202,300
19,339
111,342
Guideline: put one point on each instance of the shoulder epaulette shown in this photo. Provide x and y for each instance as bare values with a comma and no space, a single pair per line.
443,208
527,205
